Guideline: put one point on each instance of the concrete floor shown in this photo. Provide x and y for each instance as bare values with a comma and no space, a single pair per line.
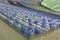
7,33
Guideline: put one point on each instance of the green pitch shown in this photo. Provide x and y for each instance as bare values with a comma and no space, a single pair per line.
52,4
